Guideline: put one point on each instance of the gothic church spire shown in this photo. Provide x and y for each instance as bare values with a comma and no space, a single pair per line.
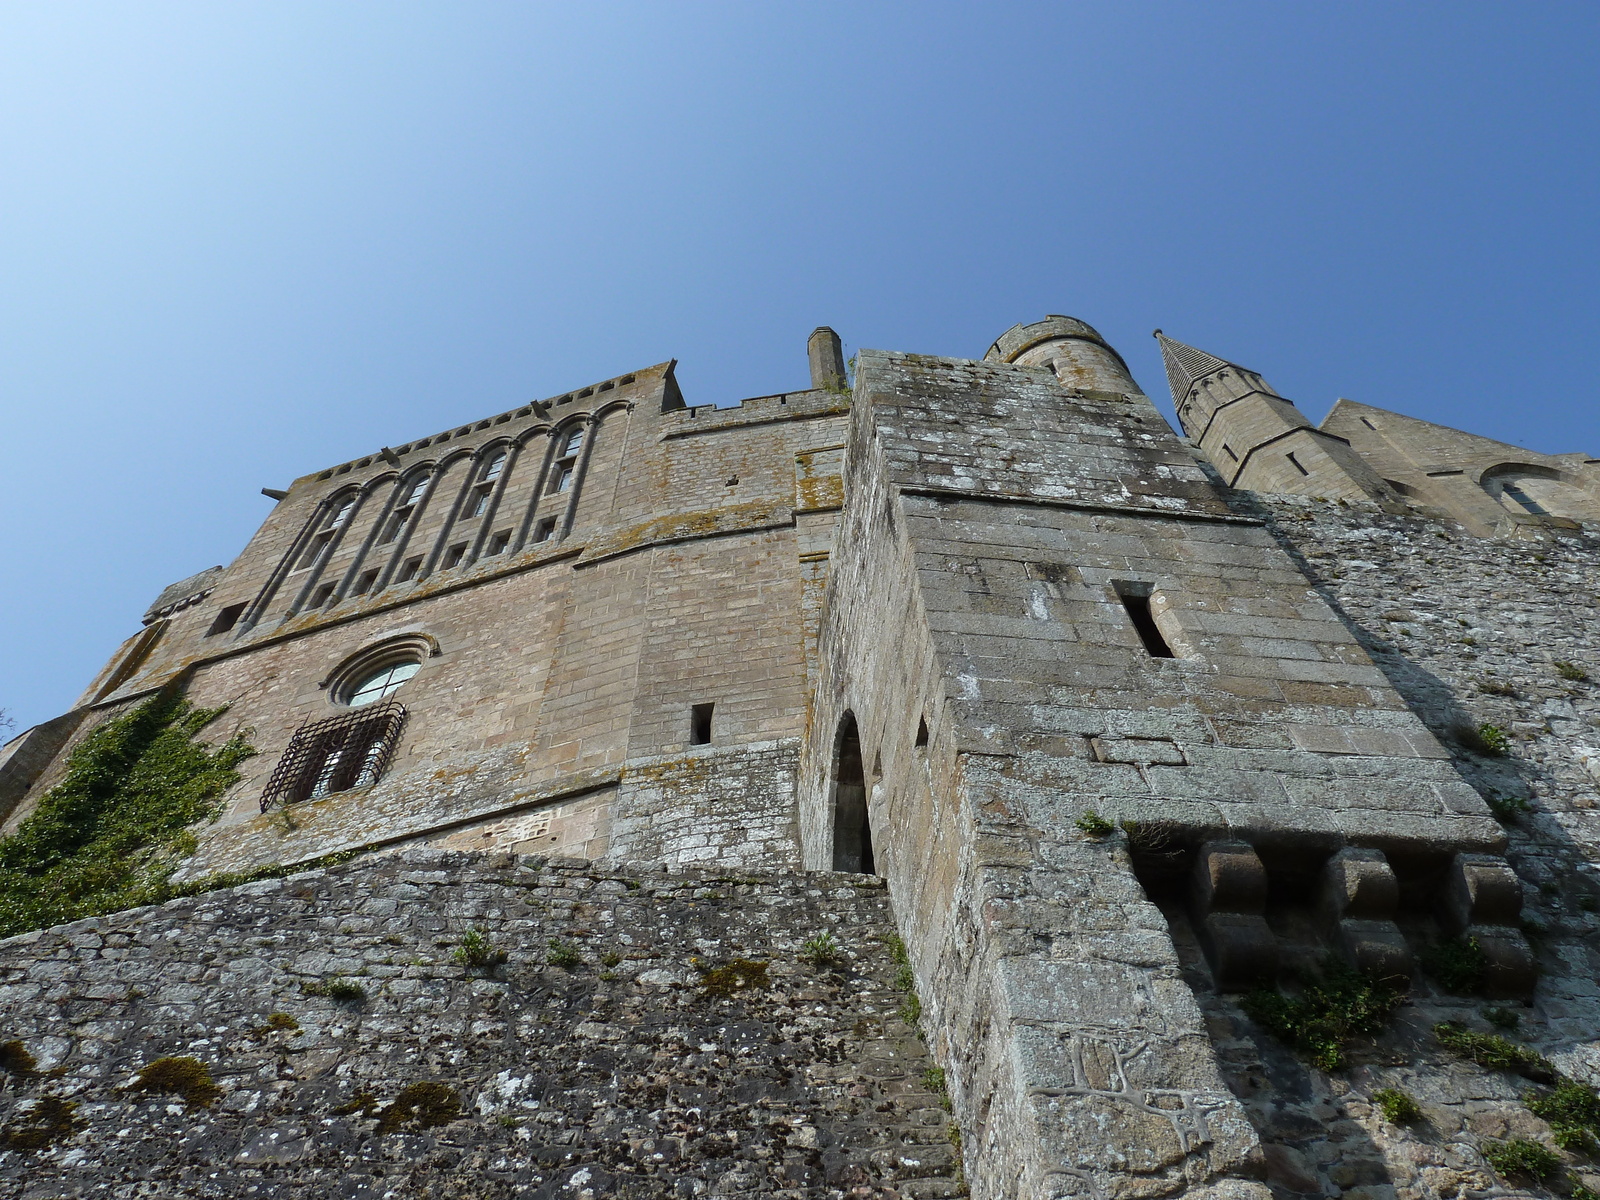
1186,365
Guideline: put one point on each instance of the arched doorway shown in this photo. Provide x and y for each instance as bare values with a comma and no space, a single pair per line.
852,830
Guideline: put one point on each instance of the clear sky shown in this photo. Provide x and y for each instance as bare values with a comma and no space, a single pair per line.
240,242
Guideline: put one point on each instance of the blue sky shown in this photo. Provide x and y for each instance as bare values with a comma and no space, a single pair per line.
242,242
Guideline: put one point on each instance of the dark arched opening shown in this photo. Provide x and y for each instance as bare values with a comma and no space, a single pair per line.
852,831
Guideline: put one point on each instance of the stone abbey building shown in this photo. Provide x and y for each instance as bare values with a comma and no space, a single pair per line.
1061,731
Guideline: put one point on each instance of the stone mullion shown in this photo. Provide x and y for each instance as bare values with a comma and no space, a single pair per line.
403,542
285,567
366,546
450,520
591,428
314,574
531,515
512,452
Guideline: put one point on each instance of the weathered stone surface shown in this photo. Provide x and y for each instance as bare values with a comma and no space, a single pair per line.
629,1068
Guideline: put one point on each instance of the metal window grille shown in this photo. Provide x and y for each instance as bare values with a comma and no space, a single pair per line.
337,754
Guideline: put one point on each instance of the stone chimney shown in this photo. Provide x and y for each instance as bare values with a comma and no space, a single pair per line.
827,358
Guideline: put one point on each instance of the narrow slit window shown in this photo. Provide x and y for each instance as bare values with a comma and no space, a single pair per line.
545,530
1296,463
922,734
1136,602
499,542
226,619
1368,423
408,570
700,724
1229,449
454,555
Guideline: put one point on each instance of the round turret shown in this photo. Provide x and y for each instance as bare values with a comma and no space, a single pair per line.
1073,349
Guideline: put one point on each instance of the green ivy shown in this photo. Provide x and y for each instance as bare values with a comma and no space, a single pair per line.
108,835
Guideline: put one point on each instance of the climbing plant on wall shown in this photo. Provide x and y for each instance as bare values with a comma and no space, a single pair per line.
108,835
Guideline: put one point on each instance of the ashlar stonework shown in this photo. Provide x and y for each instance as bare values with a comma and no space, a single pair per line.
925,783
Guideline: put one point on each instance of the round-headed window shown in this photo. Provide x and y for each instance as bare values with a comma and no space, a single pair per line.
381,683
377,672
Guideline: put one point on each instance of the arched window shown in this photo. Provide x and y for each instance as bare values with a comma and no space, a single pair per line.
1526,489
565,467
852,826
338,514
478,504
405,510
381,683
351,750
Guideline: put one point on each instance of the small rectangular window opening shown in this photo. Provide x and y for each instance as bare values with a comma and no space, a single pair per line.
454,555
499,542
700,724
1135,599
562,481
227,618
922,734
408,570
1229,449
480,502
1296,463
545,530
322,595
364,584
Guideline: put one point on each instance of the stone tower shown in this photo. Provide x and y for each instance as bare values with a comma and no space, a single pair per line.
1256,438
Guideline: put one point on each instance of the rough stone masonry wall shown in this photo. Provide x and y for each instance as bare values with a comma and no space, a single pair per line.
1469,630
617,1071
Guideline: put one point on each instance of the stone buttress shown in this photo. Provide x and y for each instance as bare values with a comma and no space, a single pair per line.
1044,619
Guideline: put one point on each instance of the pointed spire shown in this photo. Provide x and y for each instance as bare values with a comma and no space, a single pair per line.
1185,365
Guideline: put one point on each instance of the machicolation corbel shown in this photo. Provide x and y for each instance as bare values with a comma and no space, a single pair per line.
1228,894
1360,895
1482,900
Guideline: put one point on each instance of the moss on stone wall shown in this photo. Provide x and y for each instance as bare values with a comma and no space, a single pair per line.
110,833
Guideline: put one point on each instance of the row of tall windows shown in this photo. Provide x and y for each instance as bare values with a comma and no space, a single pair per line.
440,519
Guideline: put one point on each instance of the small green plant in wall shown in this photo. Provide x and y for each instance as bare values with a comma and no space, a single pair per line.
477,953
563,954
1094,825
339,989
1523,1159
822,951
1328,1013
1396,1106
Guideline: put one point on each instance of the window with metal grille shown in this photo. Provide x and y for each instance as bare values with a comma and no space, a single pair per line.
334,755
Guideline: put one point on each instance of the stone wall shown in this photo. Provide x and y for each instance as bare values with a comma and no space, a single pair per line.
649,1035
558,679
1469,630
